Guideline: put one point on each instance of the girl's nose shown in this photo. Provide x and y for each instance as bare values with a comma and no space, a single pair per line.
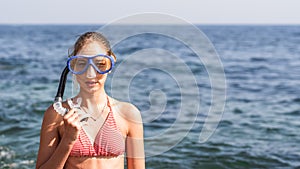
91,72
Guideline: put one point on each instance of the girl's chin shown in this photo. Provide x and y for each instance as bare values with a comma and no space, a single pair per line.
93,89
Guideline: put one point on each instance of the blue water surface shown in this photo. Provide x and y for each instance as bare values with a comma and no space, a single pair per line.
261,120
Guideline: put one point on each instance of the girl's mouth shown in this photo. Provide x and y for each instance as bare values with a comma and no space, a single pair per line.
91,83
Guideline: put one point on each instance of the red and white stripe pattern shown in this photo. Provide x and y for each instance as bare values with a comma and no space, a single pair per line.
108,142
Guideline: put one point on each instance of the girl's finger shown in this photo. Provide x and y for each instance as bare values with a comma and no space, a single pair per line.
70,113
73,118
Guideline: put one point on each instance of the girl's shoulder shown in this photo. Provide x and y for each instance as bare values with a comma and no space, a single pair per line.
125,109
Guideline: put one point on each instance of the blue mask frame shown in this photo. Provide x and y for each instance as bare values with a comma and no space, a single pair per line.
90,62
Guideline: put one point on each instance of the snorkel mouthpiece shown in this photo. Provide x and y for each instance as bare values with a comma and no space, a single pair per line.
59,108
57,105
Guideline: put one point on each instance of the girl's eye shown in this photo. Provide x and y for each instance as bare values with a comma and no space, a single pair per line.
81,63
100,63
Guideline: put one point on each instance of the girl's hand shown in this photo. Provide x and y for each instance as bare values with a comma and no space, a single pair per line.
72,125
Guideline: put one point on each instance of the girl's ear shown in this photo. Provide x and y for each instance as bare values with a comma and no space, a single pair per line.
113,55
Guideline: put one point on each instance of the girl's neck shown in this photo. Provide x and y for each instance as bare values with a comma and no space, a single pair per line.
94,98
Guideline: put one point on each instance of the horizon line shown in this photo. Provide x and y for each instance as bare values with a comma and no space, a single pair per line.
154,24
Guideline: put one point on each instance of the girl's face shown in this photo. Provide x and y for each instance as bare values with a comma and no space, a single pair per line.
91,81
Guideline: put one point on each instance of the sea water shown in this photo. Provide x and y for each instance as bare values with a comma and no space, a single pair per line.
261,118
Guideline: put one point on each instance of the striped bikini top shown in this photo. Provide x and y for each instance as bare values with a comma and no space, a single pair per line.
109,141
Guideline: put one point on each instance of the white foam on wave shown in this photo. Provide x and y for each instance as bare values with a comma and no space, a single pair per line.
7,159
6,153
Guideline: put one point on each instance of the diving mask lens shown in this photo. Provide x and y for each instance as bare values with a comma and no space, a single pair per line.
101,63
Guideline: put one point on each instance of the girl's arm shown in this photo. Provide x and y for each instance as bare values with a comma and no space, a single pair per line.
135,139
54,150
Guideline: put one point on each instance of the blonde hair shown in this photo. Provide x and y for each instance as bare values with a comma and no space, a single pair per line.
89,37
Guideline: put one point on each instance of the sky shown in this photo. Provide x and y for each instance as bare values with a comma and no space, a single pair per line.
193,11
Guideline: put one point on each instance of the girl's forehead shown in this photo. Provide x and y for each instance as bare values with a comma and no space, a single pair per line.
91,49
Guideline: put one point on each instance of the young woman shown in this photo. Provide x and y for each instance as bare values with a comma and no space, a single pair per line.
97,131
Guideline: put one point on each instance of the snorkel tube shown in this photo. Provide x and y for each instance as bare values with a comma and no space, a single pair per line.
57,105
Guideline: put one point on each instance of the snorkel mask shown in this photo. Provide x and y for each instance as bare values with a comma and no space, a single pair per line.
79,65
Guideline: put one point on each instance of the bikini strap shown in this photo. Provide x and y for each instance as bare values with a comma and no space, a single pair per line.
108,104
